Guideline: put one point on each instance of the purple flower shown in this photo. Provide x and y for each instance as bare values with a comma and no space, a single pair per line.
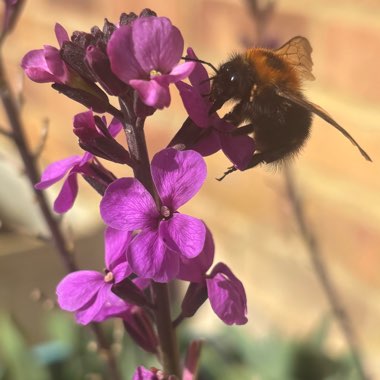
142,373
145,55
224,290
227,295
194,269
72,166
46,65
217,132
88,293
96,138
165,236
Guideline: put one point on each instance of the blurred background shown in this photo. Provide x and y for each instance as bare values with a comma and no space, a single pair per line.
290,324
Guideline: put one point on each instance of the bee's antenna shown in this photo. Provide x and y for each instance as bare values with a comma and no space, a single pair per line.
208,79
200,61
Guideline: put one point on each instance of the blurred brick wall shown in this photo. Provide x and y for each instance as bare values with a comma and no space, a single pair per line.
249,214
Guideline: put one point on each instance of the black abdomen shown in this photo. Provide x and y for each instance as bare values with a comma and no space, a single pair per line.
279,125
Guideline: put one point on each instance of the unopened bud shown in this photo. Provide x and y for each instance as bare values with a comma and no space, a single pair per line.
195,296
140,327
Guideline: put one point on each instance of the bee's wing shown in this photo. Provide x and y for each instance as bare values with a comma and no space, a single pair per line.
322,114
297,52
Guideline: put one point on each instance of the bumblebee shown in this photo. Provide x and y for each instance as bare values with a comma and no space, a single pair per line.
266,86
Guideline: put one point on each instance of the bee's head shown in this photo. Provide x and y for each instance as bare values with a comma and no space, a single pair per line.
234,80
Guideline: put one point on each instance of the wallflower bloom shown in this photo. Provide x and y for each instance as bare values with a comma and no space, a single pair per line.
145,55
70,167
88,293
216,133
165,236
46,65
227,295
142,373
224,290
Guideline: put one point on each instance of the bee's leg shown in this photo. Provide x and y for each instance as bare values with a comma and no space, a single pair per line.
244,130
225,174
236,116
270,156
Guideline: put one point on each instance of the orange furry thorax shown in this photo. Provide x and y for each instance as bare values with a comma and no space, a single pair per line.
272,69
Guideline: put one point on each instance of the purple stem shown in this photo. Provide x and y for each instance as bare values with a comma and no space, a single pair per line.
134,130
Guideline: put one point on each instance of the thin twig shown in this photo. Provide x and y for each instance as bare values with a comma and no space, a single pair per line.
324,277
43,138
6,133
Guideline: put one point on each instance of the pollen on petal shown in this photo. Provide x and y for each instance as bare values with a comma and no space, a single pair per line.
154,73
109,277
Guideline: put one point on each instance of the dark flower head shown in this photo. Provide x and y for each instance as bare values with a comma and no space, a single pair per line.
145,54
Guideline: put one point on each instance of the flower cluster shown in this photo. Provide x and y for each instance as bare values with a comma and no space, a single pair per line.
147,239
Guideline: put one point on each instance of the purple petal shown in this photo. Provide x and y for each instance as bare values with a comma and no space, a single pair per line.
113,306
152,93
178,176
149,257
183,234
196,106
84,120
142,373
78,288
179,72
120,49
89,312
85,158
238,149
67,195
35,67
61,34
158,45
127,205
55,64
227,295
56,171
116,244
199,76
121,271
115,127
194,270
208,143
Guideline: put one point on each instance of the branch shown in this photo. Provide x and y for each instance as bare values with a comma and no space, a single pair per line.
29,162
323,275
43,138
6,133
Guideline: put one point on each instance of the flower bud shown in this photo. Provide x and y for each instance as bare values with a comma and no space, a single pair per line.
130,292
98,103
195,296
140,327
100,67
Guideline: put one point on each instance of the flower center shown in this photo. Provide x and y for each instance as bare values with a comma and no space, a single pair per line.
109,277
165,212
154,73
